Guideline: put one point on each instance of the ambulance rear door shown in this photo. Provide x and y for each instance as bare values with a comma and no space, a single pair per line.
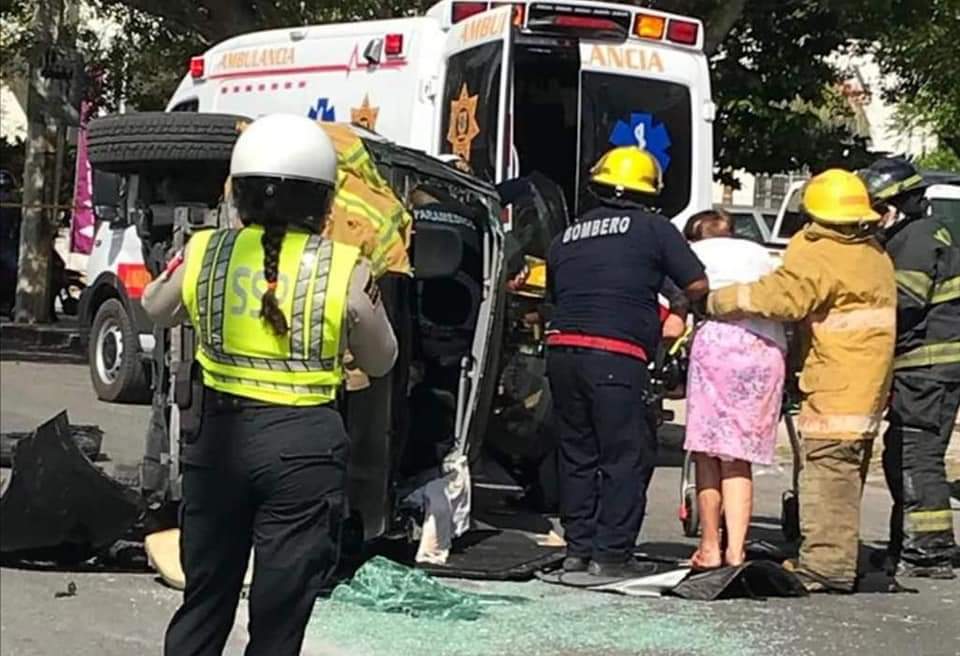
475,103
655,96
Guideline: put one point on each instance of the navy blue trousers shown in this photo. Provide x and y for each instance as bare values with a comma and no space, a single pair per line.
608,449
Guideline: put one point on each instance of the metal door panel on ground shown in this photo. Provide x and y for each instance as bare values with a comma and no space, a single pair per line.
632,94
476,93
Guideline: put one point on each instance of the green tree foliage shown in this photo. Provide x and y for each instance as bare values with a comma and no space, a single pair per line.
918,46
772,80
941,159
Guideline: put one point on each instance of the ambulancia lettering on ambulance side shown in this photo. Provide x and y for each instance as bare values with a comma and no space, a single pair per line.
484,28
258,58
633,58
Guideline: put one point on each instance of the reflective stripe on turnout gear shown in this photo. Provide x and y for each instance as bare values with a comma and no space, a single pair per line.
238,352
929,355
609,345
948,290
859,319
929,521
818,425
915,283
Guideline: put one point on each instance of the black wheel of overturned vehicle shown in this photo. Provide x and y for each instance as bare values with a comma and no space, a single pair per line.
128,143
115,368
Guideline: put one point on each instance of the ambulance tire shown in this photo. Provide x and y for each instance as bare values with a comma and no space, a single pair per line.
131,143
115,367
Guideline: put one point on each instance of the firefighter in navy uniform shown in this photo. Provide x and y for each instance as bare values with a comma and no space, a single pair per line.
273,306
604,273
926,383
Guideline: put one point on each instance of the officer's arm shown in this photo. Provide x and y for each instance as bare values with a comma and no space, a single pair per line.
369,333
790,293
163,297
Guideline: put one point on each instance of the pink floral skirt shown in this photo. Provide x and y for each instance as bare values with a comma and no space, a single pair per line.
734,392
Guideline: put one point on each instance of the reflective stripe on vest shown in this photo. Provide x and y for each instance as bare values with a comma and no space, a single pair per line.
929,355
238,352
948,290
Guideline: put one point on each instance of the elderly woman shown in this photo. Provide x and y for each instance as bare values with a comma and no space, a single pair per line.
734,390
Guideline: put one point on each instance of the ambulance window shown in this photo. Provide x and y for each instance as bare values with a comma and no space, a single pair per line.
472,93
618,110
192,105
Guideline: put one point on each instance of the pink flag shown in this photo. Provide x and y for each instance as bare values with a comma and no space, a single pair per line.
82,225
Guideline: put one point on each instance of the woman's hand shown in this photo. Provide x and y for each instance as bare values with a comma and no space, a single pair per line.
673,326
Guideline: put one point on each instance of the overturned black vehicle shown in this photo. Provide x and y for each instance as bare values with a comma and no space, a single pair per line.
469,364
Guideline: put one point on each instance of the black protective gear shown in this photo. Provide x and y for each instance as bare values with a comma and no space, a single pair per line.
890,178
922,414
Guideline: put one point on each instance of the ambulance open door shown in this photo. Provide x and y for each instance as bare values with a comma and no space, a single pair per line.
474,118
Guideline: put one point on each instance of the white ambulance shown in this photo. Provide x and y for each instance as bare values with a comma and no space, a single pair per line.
510,88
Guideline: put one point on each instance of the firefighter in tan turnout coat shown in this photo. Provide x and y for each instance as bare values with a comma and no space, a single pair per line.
837,281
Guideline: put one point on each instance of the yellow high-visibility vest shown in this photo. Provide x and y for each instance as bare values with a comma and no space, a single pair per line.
238,352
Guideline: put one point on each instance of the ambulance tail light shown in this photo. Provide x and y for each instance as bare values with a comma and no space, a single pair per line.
647,26
683,32
196,67
393,45
464,10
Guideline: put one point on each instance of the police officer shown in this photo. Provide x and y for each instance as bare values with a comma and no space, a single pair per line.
926,384
604,273
273,305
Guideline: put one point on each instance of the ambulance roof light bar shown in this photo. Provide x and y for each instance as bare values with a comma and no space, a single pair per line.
460,11
655,27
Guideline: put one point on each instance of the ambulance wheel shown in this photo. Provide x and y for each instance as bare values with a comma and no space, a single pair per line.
113,352
790,516
133,143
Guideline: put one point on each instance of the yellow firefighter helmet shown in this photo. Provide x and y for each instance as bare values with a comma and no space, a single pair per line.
628,168
838,197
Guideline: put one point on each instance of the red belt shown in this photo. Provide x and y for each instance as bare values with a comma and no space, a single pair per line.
607,344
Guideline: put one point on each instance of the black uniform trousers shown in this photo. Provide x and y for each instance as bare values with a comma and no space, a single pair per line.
607,449
273,478
922,413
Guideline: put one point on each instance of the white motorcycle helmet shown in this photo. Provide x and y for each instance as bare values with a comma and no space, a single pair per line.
284,170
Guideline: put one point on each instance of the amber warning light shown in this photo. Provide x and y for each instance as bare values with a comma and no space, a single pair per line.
196,67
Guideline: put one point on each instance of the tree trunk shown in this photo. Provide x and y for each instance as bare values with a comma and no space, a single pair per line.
36,230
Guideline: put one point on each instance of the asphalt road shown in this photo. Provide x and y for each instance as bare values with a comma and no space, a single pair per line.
117,614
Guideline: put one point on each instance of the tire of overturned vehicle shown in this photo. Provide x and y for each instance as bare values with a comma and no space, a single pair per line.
128,143
115,368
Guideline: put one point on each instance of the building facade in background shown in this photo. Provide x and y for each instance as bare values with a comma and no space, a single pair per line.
872,118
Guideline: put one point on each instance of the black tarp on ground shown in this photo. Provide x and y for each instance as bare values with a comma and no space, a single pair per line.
485,554
58,505
755,579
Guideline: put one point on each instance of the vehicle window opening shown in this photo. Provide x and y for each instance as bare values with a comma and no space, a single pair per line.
445,318
545,113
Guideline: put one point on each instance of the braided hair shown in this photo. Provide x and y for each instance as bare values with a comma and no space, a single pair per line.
270,311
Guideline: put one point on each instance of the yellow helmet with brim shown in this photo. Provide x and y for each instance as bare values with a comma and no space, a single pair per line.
838,197
628,168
